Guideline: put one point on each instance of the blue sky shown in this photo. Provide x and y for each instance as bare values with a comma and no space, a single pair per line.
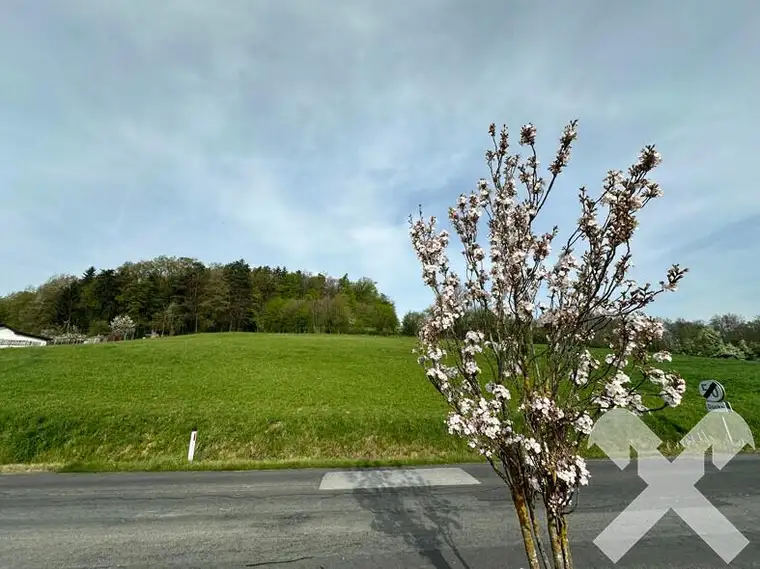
303,133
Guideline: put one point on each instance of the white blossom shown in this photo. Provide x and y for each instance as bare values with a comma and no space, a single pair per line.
662,357
123,326
584,424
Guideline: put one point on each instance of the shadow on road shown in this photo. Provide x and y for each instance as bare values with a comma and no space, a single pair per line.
403,506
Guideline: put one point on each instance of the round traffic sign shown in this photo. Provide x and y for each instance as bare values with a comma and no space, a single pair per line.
712,391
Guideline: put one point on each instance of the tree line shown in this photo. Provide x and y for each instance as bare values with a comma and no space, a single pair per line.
173,296
723,336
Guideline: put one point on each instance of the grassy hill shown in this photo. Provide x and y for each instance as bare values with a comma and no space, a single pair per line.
257,400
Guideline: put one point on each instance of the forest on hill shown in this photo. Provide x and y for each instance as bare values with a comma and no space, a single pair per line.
172,296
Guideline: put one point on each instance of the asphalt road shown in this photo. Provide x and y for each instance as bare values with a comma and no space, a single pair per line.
282,519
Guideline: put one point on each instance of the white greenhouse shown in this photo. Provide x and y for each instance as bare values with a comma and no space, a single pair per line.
10,338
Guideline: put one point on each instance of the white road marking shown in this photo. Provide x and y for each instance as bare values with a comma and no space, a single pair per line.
396,478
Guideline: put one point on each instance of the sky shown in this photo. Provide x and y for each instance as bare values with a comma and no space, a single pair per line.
303,133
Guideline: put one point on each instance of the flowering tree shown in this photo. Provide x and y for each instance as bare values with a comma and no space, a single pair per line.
71,337
528,407
123,326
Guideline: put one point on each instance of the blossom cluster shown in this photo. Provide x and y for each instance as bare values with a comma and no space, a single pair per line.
123,325
572,299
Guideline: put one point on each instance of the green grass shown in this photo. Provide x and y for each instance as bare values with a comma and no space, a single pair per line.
258,401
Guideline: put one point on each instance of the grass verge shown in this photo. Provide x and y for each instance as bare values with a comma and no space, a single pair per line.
259,401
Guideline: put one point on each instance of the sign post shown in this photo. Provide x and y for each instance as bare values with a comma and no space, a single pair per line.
715,395
193,439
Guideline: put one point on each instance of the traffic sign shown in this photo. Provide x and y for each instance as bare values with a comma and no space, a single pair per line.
712,391
718,406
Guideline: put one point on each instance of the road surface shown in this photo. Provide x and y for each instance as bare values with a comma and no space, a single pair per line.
320,519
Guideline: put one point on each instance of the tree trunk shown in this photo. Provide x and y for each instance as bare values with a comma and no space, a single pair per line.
557,525
526,527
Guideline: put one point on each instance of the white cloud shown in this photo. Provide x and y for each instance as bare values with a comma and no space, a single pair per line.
302,137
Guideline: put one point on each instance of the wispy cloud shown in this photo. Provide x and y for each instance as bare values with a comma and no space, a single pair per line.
290,135
738,236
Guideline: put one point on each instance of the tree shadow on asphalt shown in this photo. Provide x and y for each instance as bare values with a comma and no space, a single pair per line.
405,507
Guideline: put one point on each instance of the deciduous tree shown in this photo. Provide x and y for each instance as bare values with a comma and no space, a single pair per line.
123,326
528,408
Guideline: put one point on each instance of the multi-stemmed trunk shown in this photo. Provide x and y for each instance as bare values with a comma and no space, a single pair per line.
531,533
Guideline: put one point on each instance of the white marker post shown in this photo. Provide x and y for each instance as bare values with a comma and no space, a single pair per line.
193,439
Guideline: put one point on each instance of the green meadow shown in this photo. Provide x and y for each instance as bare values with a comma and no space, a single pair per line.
258,401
